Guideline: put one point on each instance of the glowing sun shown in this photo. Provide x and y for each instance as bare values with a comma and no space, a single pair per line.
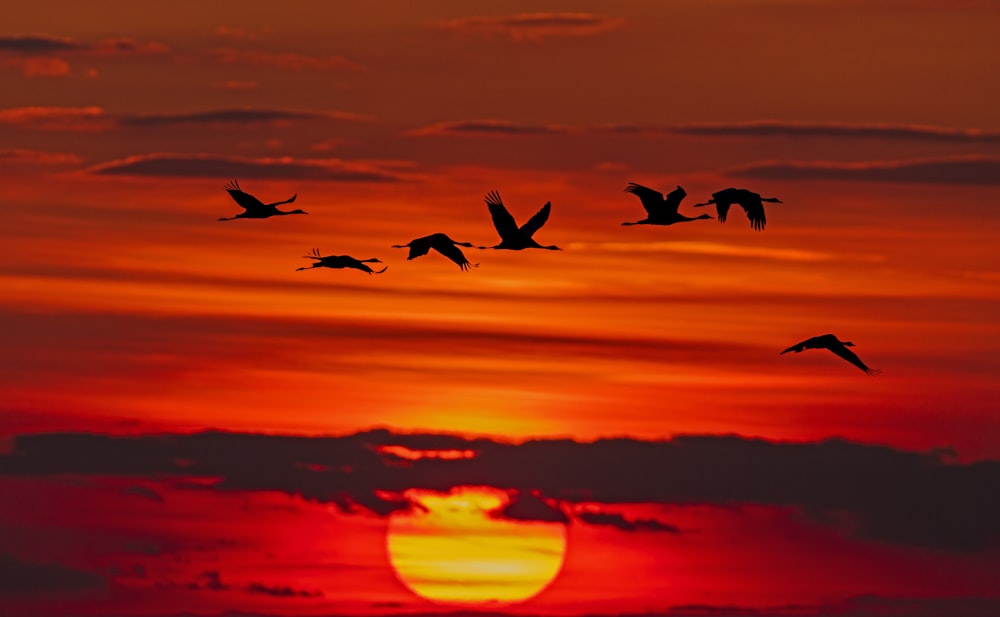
455,552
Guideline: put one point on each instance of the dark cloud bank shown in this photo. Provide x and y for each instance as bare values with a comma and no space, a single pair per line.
881,493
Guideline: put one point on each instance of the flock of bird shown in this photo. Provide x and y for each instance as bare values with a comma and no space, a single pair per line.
660,210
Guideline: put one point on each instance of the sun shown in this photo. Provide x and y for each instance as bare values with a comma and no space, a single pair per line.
455,552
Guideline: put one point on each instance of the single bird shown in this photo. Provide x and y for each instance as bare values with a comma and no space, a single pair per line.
440,243
752,204
341,261
254,208
840,348
660,210
512,237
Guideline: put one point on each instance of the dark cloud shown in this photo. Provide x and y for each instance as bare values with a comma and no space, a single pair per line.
488,128
230,116
964,170
282,591
210,580
143,491
37,44
613,519
889,495
45,44
18,576
214,166
535,26
530,506
914,132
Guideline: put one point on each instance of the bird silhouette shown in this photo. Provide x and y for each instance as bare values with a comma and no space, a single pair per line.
254,208
440,243
512,237
341,261
752,204
831,342
660,211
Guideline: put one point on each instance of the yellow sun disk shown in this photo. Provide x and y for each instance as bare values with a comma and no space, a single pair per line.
455,552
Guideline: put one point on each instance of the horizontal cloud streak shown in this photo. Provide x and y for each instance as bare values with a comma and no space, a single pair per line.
762,129
37,157
769,128
216,166
95,118
535,26
37,44
963,170
888,495
488,128
286,61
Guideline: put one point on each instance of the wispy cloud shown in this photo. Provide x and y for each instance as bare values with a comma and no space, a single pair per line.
619,521
490,128
96,119
37,44
535,26
286,61
56,118
232,116
971,170
712,248
37,157
890,495
761,129
216,166
774,128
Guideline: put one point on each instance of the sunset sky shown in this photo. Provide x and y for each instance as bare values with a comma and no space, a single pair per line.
188,425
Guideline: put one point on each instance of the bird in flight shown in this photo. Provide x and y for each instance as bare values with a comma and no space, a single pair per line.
513,237
660,210
341,261
442,244
752,204
831,342
254,208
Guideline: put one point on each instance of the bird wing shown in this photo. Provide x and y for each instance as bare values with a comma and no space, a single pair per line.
535,222
851,357
453,253
651,200
754,208
816,342
419,247
245,200
505,224
674,199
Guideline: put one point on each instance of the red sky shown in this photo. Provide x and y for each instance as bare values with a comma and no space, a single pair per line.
129,310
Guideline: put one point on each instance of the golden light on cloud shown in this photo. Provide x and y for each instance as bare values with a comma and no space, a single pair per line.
456,552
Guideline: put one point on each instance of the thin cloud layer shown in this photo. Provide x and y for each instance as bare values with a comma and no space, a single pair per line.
45,44
37,44
95,118
535,26
488,128
214,166
285,61
888,495
771,128
964,170
17,156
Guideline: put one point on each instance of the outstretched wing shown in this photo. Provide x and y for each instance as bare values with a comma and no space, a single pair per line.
535,222
754,208
816,342
851,357
453,253
651,200
505,224
245,200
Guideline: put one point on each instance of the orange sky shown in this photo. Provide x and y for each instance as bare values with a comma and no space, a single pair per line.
127,308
